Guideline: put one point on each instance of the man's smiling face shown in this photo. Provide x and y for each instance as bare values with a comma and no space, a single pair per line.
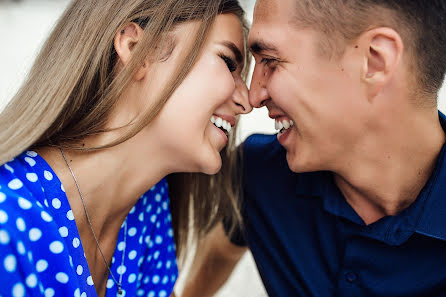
305,89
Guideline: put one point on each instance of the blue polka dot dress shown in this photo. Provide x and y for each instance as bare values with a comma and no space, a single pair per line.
40,249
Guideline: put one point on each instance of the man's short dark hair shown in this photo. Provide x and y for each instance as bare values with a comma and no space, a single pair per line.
421,24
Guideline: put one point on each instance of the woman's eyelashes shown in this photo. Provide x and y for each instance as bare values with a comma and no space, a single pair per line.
232,65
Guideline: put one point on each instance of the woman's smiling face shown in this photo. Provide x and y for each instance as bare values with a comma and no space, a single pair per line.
212,95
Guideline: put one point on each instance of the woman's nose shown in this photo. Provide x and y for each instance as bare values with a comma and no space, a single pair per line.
241,97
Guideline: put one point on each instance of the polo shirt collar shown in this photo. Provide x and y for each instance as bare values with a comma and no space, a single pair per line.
432,222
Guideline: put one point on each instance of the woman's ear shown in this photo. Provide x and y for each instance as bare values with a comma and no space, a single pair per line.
125,42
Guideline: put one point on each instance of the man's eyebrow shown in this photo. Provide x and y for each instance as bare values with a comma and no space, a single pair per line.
238,54
260,46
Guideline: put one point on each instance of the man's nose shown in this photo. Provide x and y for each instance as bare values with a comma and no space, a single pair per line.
258,95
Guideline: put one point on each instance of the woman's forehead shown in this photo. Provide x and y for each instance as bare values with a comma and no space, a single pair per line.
229,27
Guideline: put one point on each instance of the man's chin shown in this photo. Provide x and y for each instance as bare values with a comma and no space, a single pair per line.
296,164
292,162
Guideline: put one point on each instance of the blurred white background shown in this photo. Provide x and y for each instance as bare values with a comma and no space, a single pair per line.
24,26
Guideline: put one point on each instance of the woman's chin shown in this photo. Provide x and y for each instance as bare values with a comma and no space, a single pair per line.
211,166
206,160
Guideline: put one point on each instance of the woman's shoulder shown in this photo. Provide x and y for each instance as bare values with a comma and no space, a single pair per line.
20,188
34,256
24,210
24,224
33,252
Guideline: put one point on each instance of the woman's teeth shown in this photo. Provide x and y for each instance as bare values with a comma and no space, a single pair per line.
220,123
283,125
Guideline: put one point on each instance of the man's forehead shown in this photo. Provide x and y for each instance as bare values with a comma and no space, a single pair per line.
264,9
273,10
271,21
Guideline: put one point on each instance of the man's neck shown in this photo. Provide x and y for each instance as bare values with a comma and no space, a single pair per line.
396,166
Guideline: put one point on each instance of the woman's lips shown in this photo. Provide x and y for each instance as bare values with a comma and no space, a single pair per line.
221,123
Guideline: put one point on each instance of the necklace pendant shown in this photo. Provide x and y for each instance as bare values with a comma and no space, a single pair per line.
119,291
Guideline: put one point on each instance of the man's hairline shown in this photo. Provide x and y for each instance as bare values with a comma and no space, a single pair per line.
335,45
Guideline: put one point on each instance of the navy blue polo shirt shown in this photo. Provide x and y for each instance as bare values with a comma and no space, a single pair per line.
308,241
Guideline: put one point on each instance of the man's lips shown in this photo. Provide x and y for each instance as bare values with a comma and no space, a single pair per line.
276,114
281,121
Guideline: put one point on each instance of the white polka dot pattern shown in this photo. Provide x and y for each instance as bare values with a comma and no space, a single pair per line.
40,249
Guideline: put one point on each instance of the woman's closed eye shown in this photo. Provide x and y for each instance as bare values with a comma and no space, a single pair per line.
232,65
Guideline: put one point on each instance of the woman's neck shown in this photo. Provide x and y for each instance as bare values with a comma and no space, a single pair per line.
111,181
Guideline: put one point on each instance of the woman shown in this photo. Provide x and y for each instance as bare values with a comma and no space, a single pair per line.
123,94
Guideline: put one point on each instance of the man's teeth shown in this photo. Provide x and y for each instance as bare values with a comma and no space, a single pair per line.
220,123
285,125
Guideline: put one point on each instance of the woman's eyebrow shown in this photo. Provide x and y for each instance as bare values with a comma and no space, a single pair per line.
235,49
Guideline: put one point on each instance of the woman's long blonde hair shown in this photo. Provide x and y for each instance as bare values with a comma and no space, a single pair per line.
74,84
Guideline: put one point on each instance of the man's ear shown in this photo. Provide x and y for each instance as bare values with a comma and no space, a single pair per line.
383,50
125,42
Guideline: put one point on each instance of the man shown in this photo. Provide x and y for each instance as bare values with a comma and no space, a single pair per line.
350,198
